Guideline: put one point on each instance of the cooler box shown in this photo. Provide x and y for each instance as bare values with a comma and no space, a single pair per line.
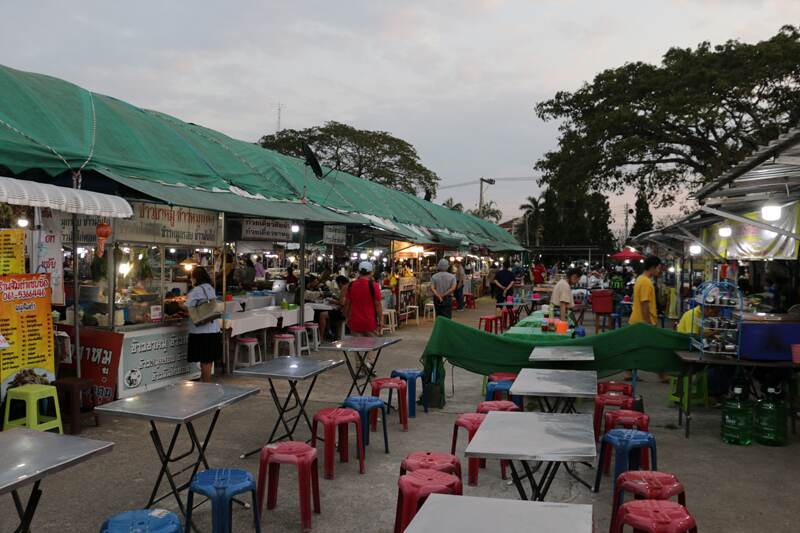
769,337
602,301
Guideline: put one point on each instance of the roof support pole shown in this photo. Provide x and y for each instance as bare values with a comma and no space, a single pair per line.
749,222
302,259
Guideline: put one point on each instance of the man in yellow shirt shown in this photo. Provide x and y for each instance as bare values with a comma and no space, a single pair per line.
644,293
690,321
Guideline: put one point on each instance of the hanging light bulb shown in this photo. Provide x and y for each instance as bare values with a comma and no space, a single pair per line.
295,228
23,222
363,256
694,249
771,212
725,231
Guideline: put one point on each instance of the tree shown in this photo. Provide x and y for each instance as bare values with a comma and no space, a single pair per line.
642,219
374,155
489,211
452,204
598,219
677,125
532,212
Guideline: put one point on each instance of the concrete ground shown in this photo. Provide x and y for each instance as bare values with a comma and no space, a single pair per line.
729,489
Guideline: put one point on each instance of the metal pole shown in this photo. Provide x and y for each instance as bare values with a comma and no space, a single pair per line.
302,260
480,197
75,294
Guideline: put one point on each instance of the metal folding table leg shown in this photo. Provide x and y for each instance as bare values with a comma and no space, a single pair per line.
26,514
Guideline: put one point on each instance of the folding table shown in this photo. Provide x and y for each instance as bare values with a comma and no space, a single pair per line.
360,372
548,438
555,389
561,354
179,404
468,514
292,370
27,456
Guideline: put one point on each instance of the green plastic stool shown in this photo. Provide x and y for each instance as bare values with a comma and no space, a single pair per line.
698,395
32,395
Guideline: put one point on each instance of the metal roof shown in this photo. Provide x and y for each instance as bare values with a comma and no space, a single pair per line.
33,194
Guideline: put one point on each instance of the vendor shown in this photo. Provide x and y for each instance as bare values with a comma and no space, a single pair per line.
291,279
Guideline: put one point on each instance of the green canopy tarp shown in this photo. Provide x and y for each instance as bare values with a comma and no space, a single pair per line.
638,346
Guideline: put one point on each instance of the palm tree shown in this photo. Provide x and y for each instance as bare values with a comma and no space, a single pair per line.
489,211
452,204
532,213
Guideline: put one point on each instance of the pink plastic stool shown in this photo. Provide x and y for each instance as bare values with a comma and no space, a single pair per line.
332,418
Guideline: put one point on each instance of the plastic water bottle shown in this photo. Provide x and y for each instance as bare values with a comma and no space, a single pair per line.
771,419
737,419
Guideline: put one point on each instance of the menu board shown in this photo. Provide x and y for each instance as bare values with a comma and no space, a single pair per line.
12,251
153,358
334,234
47,254
265,229
26,324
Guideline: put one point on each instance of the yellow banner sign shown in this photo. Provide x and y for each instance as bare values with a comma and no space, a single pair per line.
12,251
26,324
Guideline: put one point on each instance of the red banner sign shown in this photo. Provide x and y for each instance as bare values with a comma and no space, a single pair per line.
101,351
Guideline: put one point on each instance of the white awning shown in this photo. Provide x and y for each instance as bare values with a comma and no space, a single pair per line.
34,194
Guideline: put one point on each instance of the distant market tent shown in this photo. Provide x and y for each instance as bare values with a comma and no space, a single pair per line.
49,128
626,254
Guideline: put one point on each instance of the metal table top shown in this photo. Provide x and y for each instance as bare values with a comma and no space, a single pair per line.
534,437
291,368
468,514
555,383
27,456
714,359
360,344
562,353
178,403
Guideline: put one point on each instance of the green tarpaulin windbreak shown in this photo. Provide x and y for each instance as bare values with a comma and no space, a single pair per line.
638,346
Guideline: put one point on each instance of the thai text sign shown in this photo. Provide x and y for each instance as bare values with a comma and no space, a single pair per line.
154,358
12,251
26,324
334,234
264,229
157,223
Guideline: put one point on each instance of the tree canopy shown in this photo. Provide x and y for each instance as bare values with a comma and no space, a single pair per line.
489,211
677,125
643,218
374,155
452,204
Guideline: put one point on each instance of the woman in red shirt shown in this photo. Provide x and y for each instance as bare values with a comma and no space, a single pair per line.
363,303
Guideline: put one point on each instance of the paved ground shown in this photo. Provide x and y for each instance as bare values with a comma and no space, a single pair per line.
730,489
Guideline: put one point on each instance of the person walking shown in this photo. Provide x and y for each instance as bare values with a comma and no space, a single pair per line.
362,305
644,309
443,285
460,276
204,344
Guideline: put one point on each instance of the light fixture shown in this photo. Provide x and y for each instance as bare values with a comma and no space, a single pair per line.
140,257
378,252
126,250
586,263
295,228
172,250
320,258
694,249
671,270
725,231
627,261
572,265
124,268
631,248
292,259
771,212
188,267
22,222
373,258
452,258
362,256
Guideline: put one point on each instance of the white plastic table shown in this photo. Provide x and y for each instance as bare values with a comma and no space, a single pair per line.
292,370
442,513
550,438
28,456
179,404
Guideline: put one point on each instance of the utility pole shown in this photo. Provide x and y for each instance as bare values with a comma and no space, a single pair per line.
488,181
279,108
627,212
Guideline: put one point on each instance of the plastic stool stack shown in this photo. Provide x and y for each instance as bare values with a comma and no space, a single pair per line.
150,520
304,457
627,419
220,485
654,516
332,418
415,487
442,462
648,485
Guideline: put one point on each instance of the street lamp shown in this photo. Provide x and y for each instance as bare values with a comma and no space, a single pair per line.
488,181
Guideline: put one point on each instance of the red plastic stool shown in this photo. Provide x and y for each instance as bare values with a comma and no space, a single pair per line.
471,422
615,386
497,405
601,401
505,319
654,516
502,376
648,485
295,453
415,487
332,418
489,324
441,462
625,418
402,399
469,301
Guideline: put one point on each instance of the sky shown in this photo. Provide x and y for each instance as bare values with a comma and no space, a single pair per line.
457,78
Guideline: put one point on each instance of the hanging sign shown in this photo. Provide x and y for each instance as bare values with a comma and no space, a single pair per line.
153,359
334,234
46,253
164,224
12,251
264,229
87,228
101,351
27,326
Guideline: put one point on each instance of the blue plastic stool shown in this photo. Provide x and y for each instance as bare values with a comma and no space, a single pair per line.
220,485
143,521
365,404
628,445
616,320
502,386
410,375
580,331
